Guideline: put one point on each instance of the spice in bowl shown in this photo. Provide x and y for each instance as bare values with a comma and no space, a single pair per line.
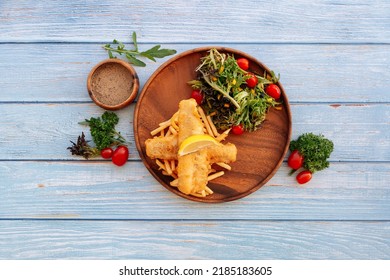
113,84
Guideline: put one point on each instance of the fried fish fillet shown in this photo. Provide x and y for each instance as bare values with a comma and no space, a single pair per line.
192,172
167,148
192,169
222,153
162,147
189,120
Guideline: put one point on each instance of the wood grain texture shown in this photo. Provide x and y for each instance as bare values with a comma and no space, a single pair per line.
349,21
99,190
359,132
328,73
193,240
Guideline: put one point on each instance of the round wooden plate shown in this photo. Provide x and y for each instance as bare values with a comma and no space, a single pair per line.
259,153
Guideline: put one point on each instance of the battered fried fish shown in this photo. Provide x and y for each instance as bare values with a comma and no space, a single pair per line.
162,147
192,169
167,148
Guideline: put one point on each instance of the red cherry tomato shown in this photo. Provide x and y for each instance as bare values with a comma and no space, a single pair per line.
273,91
237,129
252,81
295,160
197,95
106,153
120,156
243,63
304,177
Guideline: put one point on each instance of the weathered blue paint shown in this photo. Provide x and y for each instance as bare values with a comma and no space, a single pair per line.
333,57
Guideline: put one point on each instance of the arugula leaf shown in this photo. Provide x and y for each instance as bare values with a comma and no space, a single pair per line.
134,37
135,61
152,53
157,52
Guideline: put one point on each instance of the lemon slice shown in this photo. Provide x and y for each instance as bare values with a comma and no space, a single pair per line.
194,143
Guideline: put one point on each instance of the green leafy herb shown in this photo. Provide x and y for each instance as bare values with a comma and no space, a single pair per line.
132,54
226,94
82,148
316,149
103,130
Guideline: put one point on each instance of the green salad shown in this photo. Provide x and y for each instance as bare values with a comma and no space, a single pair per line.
232,94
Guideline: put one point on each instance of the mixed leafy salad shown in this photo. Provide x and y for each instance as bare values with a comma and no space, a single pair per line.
232,94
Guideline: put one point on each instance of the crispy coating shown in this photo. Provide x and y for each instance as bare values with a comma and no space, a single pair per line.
189,120
222,153
162,147
192,169
167,148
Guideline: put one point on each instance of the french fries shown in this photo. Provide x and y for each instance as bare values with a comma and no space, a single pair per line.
169,167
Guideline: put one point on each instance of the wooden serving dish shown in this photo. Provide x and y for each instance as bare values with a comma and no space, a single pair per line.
260,153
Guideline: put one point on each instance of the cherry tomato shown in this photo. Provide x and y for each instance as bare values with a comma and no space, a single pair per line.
252,81
197,95
243,63
295,160
304,177
237,129
120,156
273,90
106,153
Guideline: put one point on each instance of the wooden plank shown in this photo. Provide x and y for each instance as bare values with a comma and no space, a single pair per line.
309,73
43,131
194,240
231,21
100,190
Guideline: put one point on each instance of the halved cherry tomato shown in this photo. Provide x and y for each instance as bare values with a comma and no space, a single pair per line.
120,156
252,81
106,153
197,95
237,129
243,63
273,90
295,160
304,177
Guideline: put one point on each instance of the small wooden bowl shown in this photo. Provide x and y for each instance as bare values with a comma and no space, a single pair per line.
259,154
113,84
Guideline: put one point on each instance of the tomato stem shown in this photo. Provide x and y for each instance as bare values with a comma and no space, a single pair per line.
292,171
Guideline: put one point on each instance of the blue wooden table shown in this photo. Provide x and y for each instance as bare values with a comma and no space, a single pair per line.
334,61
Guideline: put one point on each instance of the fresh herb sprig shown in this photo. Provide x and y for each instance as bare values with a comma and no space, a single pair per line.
315,149
103,133
83,148
131,54
103,130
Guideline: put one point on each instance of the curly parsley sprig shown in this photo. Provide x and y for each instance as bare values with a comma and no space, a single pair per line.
103,130
131,54
103,133
315,149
